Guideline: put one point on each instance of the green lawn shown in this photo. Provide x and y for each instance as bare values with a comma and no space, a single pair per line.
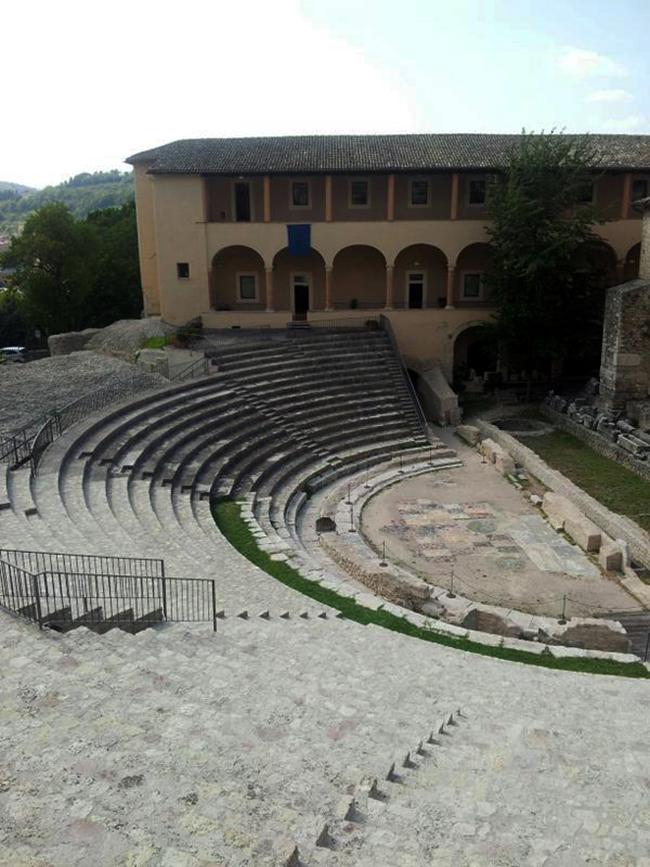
227,515
607,481
156,342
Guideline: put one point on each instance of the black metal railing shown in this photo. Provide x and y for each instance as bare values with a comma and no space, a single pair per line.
198,367
29,443
65,598
368,322
93,564
386,325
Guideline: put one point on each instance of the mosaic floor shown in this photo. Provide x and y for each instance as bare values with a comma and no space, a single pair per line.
444,532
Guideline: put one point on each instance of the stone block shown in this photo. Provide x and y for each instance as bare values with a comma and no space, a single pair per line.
557,509
469,433
70,341
503,463
584,532
613,556
488,448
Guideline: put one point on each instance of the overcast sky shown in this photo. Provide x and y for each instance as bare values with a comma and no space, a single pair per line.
85,84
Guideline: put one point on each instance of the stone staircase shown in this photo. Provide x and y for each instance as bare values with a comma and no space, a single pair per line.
309,741
279,421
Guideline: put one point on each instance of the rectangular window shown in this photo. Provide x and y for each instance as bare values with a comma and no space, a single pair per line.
477,189
300,194
183,270
247,284
640,189
472,286
418,193
359,194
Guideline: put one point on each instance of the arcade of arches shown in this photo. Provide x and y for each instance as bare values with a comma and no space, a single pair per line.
359,276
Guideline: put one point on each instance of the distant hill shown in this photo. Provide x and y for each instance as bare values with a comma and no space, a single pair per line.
8,186
82,194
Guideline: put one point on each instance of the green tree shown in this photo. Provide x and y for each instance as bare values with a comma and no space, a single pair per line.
540,220
116,283
53,257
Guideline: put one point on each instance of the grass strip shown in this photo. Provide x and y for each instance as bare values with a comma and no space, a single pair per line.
605,480
227,516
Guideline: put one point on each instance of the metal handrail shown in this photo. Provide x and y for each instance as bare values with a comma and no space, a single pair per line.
63,598
386,325
188,371
95,564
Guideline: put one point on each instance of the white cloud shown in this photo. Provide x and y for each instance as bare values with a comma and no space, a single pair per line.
610,96
104,83
582,63
625,124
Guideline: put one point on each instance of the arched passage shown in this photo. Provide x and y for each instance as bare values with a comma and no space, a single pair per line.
472,265
631,267
358,277
237,279
474,354
420,277
595,266
299,282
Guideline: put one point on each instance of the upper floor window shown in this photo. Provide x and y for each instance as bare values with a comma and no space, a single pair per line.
247,287
476,191
300,197
586,194
472,286
183,270
359,193
418,192
640,189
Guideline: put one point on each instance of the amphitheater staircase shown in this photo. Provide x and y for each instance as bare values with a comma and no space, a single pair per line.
279,421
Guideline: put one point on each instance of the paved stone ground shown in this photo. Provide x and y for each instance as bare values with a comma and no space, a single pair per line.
475,523
28,391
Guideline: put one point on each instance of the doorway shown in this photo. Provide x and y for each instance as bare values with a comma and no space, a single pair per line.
300,291
415,290
242,202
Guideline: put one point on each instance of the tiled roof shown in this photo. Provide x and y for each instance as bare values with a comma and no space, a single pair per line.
364,153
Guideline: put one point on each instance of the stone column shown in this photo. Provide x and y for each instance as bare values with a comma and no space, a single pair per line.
390,279
390,198
328,288
267,198
453,209
328,198
451,270
269,290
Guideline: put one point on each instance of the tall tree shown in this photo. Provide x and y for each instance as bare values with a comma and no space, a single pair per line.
53,257
541,217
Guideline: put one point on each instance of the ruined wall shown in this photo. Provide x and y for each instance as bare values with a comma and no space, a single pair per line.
625,359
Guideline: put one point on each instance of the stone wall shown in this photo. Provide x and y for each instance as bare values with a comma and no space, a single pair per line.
598,442
614,525
625,356
70,341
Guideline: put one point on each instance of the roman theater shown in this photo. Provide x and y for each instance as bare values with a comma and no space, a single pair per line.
266,597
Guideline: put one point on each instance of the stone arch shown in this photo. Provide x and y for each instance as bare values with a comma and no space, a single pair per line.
287,266
228,265
358,277
474,259
428,261
475,353
631,264
595,263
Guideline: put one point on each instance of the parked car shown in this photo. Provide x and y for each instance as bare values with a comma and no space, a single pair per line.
12,353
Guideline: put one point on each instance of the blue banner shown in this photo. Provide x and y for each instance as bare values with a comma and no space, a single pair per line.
299,239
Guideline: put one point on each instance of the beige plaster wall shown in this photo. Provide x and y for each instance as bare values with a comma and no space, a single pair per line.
378,186
475,258
223,283
359,272
439,207
430,261
180,237
280,206
284,266
147,249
